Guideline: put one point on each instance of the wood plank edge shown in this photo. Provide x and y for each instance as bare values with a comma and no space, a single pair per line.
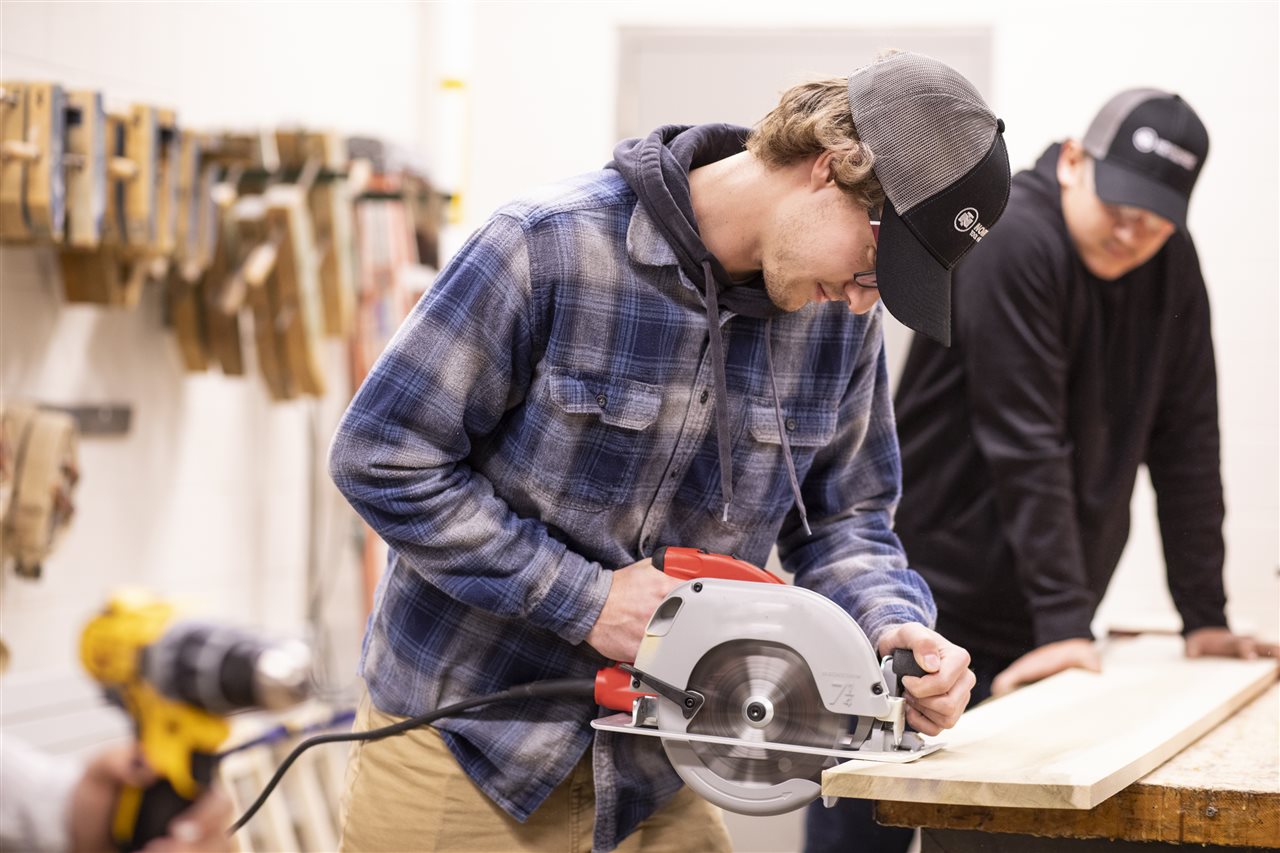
1106,788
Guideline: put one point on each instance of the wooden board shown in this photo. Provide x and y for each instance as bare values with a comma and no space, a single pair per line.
1223,789
87,185
1073,740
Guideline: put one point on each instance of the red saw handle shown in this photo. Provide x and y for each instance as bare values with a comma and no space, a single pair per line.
689,563
614,688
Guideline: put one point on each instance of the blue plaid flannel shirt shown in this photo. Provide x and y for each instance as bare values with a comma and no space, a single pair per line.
543,417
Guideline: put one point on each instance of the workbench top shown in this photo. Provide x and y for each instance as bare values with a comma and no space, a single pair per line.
1088,755
1223,789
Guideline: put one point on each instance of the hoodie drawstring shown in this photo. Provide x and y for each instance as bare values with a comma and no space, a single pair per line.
782,430
722,402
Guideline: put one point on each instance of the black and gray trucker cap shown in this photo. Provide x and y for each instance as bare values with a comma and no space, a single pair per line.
1148,146
940,156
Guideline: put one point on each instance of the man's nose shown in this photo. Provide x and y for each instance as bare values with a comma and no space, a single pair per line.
1127,233
861,299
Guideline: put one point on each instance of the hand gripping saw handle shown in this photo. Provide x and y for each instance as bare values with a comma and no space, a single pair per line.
616,687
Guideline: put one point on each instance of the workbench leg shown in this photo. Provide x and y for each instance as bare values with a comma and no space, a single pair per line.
972,841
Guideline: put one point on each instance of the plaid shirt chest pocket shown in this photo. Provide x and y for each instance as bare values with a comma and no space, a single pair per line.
597,433
761,488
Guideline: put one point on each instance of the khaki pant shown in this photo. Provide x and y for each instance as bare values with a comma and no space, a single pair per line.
407,793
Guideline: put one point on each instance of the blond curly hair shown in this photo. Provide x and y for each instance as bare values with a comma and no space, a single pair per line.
812,118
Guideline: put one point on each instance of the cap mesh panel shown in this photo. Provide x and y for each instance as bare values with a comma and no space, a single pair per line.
1102,130
925,123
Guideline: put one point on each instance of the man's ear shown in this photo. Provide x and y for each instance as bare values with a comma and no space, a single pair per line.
820,174
1070,164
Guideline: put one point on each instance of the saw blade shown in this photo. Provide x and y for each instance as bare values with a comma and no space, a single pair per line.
761,692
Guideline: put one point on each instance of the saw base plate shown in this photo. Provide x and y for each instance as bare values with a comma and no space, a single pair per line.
622,723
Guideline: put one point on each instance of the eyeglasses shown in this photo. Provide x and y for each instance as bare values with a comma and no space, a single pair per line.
1135,218
867,278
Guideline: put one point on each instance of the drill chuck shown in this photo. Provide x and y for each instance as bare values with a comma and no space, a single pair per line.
221,669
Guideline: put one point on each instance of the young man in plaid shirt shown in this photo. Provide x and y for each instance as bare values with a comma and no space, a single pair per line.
681,349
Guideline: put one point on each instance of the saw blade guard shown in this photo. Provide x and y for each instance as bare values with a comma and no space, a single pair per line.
759,801
700,615
808,662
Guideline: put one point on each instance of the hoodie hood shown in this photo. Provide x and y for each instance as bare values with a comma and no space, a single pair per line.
1043,177
657,168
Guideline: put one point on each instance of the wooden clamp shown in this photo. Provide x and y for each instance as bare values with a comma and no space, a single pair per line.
255,283
297,297
195,238
222,316
137,144
197,215
168,149
322,157
234,228
44,473
32,182
15,153
261,295
91,270
253,154
140,145
86,156
137,141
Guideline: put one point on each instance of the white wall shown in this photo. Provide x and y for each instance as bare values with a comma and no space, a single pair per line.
208,499
544,107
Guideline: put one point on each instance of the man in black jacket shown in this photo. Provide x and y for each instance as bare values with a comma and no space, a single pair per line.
1081,350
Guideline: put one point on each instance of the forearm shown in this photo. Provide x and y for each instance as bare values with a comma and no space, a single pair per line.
853,556
1191,531
1183,459
858,562
1036,502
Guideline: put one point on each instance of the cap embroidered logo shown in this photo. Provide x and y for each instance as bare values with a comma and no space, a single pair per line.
1148,141
1145,140
966,218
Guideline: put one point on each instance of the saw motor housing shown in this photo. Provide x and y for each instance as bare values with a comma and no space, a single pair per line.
811,692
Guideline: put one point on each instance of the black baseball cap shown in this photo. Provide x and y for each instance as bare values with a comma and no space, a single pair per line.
1148,147
940,157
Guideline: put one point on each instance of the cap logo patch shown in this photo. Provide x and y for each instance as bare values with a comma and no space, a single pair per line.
967,221
1147,141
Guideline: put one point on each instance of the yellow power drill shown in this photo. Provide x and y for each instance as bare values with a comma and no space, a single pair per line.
178,680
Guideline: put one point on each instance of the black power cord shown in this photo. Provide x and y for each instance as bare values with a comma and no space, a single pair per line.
554,687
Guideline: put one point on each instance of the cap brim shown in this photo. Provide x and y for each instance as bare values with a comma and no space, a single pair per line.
914,286
1118,185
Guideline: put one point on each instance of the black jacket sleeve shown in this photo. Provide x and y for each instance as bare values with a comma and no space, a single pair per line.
1012,322
1183,456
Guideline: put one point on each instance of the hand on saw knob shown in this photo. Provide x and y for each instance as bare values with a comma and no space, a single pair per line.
636,592
934,701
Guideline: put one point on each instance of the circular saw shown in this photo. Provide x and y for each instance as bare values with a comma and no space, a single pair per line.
755,687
